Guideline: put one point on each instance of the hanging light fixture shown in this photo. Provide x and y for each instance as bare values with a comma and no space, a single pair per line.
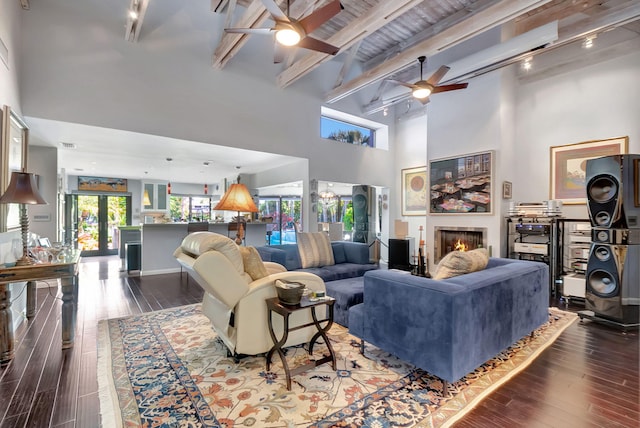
169,182
206,189
327,196
146,200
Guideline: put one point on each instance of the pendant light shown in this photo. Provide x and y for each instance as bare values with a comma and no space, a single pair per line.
169,182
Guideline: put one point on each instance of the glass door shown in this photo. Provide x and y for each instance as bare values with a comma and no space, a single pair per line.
95,219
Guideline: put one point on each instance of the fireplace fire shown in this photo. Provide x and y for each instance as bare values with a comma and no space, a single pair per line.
449,239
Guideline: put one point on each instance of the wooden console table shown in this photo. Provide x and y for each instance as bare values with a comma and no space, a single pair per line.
66,271
275,306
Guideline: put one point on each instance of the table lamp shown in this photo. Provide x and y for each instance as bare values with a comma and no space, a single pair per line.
237,198
23,190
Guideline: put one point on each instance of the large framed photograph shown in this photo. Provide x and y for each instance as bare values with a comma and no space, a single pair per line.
568,167
461,185
414,191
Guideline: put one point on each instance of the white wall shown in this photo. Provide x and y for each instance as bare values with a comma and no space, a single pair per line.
43,161
83,71
464,122
596,102
520,121
411,152
10,21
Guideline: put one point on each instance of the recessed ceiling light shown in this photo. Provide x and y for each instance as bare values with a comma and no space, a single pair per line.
588,42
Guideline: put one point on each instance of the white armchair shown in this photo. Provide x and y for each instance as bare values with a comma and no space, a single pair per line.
233,301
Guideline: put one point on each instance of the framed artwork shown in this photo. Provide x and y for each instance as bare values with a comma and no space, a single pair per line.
15,136
506,190
568,167
461,185
414,191
101,184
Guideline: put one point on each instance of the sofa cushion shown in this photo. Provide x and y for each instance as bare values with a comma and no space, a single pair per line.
339,255
315,249
253,263
461,262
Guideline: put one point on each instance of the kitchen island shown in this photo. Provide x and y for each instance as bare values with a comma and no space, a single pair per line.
159,241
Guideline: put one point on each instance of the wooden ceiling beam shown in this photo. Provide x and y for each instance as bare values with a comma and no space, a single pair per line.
134,25
477,22
254,16
218,6
374,19
552,11
431,31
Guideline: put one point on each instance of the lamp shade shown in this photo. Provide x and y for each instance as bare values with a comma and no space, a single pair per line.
22,190
237,198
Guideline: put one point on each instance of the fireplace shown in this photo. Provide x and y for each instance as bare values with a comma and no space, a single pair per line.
448,237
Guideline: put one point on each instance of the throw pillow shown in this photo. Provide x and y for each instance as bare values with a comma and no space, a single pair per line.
315,249
253,264
460,262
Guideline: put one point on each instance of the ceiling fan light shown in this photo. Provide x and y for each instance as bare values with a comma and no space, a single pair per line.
287,37
421,93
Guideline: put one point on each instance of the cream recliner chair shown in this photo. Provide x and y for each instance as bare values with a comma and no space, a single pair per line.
234,302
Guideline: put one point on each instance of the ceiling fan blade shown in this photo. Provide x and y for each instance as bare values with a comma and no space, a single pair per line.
318,45
446,88
438,75
263,31
275,11
399,82
320,16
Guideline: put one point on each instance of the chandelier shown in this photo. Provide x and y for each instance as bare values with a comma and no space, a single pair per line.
327,196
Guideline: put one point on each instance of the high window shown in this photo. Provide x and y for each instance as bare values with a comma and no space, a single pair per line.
347,128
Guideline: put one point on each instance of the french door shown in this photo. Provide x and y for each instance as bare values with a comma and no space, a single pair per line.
93,221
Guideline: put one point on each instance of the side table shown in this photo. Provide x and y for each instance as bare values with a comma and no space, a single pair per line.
275,306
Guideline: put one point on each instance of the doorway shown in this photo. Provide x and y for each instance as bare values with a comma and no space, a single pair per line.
94,220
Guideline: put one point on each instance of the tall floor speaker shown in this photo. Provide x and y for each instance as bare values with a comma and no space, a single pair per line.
363,198
613,191
613,282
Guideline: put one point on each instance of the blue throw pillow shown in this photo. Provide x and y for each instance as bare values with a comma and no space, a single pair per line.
339,255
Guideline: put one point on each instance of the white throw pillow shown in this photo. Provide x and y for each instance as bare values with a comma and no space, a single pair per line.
315,249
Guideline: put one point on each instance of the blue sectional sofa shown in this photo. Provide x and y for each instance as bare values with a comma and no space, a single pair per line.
351,259
450,327
343,280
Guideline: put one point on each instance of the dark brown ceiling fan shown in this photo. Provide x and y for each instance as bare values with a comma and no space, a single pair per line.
293,32
422,89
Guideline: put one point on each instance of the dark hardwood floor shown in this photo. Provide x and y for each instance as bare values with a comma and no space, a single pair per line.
588,378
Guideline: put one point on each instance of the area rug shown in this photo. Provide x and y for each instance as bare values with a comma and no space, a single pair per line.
168,369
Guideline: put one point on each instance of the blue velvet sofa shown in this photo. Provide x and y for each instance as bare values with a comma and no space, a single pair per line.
351,259
343,280
450,327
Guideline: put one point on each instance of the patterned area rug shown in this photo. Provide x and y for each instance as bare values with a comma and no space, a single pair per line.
168,369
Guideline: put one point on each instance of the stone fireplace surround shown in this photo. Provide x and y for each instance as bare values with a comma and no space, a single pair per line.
446,237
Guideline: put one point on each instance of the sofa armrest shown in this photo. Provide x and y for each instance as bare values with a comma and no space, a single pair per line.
271,254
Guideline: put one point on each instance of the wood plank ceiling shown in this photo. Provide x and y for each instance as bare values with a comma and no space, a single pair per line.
386,36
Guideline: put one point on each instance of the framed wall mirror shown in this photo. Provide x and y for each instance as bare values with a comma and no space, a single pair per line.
15,140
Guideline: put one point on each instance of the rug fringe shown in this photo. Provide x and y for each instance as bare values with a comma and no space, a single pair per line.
110,416
523,365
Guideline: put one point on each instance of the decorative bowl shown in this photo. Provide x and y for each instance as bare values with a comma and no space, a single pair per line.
289,293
